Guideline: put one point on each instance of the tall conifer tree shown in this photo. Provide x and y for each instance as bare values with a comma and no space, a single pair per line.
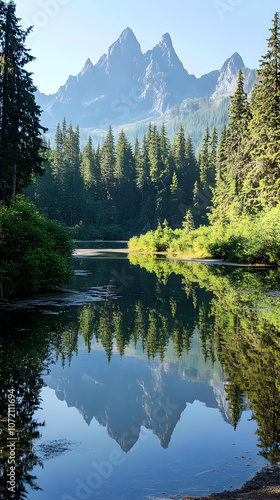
265,125
107,164
20,129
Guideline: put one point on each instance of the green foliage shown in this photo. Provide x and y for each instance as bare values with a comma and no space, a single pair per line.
192,244
188,222
35,253
116,186
117,189
241,330
254,240
264,137
153,241
20,129
239,177
247,169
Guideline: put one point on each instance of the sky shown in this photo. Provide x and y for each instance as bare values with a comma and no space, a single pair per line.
204,32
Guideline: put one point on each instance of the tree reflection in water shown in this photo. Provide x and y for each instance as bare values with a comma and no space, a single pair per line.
237,322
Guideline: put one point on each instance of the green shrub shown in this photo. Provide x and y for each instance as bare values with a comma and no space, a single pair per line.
264,243
153,241
35,253
254,240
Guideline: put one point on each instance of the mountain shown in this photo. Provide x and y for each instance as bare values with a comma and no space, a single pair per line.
127,86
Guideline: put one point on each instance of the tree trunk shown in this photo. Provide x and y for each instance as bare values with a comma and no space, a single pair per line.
14,182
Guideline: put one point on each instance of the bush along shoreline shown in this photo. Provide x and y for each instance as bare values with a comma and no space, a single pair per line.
251,240
35,253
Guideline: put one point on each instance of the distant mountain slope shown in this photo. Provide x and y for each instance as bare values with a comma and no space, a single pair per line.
127,86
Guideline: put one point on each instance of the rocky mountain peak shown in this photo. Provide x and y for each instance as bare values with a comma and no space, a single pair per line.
122,54
127,36
127,44
164,55
166,41
233,64
227,80
88,66
88,63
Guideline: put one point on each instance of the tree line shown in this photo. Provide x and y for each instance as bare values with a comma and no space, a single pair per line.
118,189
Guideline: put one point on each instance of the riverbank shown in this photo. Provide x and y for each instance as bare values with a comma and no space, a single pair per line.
265,485
94,252
250,240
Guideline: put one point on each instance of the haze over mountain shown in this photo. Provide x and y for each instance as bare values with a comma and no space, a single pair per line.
127,86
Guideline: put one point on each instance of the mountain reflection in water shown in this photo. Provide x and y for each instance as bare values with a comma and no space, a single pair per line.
160,336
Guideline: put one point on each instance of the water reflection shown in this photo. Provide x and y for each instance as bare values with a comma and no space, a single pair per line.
128,395
209,333
242,329
24,358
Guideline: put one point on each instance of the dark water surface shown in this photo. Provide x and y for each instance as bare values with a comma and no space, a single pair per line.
143,379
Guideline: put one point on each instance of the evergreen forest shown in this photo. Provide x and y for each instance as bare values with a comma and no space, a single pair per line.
118,189
208,203
221,202
239,179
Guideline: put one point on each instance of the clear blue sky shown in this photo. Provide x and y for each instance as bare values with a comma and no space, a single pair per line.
204,32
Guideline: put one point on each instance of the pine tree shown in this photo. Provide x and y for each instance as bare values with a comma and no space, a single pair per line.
179,150
188,222
165,154
264,175
124,174
237,162
141,175
238,115
72,187
176,201
124,159
144,185
221,155
107,164
212,155
219,210
154,155
232,160
57,154
203,190
204,159
64,129
164,176
191,174
88,170
20,129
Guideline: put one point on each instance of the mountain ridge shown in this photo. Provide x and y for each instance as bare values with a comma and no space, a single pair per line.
127,86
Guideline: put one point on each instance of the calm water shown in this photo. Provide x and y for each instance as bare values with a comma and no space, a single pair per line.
143,379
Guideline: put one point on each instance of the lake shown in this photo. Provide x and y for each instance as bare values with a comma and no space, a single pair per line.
145,378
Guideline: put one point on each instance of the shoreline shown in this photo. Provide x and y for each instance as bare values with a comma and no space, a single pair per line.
88,252
265,485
